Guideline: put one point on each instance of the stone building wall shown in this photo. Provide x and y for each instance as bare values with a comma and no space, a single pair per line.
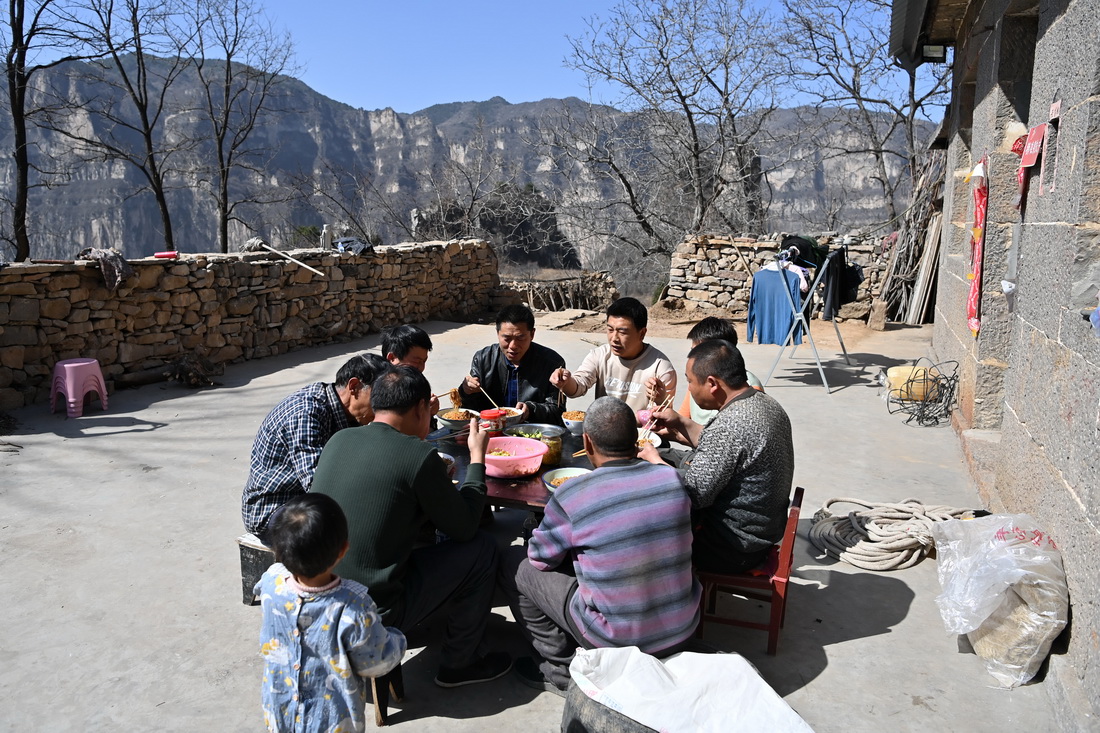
708,272
225,307
1030,379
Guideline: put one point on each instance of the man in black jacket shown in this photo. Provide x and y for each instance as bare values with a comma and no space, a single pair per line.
515,371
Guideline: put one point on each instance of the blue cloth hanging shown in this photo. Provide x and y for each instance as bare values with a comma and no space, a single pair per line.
770,311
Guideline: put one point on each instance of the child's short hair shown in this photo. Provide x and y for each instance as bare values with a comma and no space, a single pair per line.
309,533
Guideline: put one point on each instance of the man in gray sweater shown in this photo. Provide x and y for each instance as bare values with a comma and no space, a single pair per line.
740,471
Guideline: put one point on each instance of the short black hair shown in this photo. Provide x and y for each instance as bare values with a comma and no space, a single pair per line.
712,327
308,534
364,367
399,389
610,424
721,359
516,314
631,308
399,339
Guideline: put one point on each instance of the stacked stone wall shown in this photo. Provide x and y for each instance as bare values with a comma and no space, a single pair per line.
715,271
225,307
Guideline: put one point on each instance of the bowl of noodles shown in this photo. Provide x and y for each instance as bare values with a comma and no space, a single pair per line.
455,418
554,479
574,420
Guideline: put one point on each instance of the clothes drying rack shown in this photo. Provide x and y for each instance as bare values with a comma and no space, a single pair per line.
800,318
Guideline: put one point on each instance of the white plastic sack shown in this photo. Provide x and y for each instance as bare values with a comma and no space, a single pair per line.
686,692
1004,587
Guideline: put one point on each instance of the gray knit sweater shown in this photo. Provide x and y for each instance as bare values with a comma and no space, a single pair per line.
739,476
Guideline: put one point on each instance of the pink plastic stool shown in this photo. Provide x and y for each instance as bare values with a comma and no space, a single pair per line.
75,378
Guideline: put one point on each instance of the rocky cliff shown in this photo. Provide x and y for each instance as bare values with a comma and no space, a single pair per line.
94,203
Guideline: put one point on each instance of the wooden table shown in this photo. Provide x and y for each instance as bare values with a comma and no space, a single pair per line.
528,493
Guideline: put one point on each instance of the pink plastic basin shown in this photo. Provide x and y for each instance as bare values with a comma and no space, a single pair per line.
526,458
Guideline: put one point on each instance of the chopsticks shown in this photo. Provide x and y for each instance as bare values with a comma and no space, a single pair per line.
495,405
581,452
647,429
464,431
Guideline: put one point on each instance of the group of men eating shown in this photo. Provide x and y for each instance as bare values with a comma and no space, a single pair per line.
611,562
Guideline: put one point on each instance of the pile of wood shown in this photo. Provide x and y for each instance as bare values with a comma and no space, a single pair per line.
587,291
911,271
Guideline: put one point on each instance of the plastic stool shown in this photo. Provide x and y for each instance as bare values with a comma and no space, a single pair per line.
76,378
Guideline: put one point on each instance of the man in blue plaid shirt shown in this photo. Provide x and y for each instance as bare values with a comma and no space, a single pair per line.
291,437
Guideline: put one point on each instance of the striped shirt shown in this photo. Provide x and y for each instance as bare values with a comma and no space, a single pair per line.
626,528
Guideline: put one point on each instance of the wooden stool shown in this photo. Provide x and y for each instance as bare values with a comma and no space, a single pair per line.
77,378
256,558
382,688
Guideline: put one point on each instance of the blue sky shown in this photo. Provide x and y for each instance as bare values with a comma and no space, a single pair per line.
417,53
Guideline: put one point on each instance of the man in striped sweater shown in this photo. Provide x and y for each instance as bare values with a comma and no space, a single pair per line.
610,564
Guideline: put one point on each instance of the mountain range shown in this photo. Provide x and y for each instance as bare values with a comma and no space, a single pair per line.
309,137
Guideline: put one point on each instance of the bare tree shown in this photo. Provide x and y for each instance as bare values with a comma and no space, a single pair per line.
355,203
695,82
35,37
864,103
141,43
240,60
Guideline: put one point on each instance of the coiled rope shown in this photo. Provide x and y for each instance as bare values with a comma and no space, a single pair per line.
887,536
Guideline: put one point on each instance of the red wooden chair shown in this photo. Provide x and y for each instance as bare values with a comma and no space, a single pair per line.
765,583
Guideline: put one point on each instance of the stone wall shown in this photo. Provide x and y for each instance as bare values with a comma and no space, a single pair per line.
225,307
715,271
1029,388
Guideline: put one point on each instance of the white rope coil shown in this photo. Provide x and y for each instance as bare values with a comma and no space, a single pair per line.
887,536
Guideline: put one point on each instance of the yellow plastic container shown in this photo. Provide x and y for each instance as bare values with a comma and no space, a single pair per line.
913,383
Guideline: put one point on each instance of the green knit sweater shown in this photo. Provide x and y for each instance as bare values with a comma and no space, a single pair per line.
388,484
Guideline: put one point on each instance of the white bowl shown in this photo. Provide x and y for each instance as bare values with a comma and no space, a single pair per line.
576,427
570,472
455,424
654,439
449,461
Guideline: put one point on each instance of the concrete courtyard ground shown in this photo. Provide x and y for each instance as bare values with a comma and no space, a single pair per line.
124,614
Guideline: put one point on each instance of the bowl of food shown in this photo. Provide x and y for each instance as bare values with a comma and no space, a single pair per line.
512,457
449,462
557,477
455,418
549,434
574,421
512,416
652,438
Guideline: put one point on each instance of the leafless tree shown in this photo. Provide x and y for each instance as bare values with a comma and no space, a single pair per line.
141,42
677,152
35,37
353,201
239,59
864,103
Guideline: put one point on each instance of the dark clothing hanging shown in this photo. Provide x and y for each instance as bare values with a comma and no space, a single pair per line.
840,283
770,310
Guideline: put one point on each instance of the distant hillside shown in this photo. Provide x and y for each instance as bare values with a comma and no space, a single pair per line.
101,204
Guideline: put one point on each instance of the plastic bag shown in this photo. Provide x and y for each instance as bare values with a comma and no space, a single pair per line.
686,692
1004,587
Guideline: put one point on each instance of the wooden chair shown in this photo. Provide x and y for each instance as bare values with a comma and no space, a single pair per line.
766,583
383,687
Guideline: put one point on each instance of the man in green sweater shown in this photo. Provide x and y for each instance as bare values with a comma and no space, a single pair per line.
388,481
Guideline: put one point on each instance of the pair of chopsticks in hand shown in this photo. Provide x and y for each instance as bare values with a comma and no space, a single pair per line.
647,429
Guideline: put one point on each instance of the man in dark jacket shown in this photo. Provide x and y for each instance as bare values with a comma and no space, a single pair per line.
515,371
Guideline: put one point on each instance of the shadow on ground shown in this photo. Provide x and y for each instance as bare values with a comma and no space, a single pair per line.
825,606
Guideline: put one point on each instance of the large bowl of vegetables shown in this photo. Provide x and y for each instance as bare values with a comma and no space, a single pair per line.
547,433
